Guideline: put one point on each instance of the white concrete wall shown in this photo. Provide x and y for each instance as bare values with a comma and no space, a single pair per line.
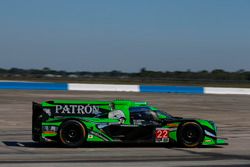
239,91
103,87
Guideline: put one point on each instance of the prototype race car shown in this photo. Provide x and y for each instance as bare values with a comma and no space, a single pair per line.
74,123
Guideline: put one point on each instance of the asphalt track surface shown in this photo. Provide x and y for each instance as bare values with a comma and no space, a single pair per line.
230,112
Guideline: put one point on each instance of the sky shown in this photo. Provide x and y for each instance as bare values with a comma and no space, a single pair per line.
125,35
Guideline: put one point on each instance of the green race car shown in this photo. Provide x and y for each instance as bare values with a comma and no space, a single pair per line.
74,123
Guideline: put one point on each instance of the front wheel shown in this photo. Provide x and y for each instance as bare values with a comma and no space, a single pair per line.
190,134
72,134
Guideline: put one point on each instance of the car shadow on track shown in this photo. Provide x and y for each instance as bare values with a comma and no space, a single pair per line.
95,145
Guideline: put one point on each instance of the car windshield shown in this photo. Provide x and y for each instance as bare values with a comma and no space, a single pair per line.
139,109
142,113
155,114
162,113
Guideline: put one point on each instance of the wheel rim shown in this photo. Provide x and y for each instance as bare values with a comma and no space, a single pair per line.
72,134
191,135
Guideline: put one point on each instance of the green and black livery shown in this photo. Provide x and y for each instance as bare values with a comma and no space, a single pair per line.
74,123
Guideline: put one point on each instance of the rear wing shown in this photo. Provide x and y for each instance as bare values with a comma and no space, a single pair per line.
37,112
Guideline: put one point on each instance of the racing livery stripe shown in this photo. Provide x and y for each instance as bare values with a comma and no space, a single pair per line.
99,135
209,131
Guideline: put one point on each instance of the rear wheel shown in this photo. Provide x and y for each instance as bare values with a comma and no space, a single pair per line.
72,133
190,134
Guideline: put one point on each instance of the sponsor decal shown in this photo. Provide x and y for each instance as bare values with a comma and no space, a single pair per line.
125,125
90,136
47,111
49,129
161,135
72,109
138,121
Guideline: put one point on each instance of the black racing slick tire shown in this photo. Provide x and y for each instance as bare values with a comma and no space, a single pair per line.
72,134
190,134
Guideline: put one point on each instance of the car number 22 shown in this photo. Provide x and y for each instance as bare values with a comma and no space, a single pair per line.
161,135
